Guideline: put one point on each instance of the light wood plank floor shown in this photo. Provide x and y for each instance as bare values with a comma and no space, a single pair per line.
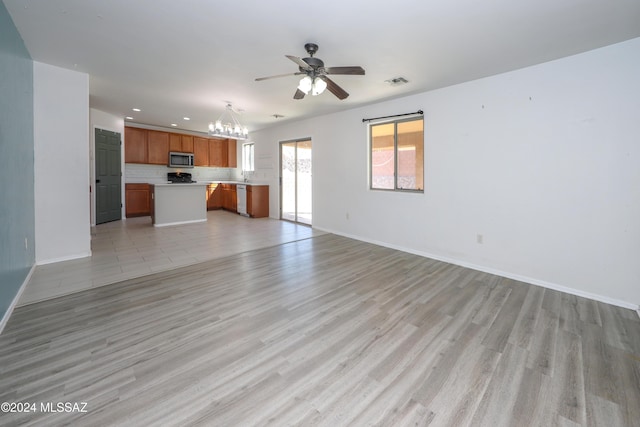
323,331
133,248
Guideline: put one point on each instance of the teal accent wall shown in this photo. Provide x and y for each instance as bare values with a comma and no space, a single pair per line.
17,211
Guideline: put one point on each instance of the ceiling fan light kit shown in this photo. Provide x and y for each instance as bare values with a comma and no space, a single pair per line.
305,84
316,85
315,79
232,128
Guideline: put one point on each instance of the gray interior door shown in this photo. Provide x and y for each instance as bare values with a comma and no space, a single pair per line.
108,177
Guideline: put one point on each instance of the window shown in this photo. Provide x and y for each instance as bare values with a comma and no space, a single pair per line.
397,155
248,164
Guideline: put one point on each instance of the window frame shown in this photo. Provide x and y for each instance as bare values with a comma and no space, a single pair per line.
395,155
252,160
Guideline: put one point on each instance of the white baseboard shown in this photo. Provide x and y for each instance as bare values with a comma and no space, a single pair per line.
13,304
530,280
168,224
65,258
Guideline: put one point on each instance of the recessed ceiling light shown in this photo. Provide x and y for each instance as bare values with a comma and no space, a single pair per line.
186,118
174,124
136,109
129,118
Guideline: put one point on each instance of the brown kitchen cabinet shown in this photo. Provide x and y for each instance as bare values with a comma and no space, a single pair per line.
180,143
152,147
218,153
200,151
158,147
137,200
135,145
258,201
187,143
232,153
175,142
214,197
229,197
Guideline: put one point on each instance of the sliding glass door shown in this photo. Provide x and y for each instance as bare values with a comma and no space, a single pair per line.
295,181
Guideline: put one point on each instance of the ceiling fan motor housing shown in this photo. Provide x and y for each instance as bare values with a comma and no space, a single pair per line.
314,63
311,48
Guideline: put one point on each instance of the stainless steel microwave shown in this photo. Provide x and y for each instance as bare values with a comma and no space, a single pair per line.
180,160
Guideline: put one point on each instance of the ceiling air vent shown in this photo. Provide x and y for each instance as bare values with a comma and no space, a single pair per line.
397,81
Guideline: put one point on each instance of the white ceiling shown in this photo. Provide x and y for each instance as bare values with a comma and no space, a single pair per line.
186,58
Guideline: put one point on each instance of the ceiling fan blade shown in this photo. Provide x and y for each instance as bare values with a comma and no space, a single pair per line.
334,88
299,94
354,71
259,79
300,62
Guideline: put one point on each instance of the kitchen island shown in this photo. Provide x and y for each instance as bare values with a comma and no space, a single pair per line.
174,204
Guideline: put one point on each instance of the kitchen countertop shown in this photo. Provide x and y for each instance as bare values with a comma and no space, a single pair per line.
236,182
200,183
184,184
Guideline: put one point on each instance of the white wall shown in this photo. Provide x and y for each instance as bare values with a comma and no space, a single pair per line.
61,140
105,121
544,162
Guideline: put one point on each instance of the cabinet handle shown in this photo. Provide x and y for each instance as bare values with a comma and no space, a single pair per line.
97,181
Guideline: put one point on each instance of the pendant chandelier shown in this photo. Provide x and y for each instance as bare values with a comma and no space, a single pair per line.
228,125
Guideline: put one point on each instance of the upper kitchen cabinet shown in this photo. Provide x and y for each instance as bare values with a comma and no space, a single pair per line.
218,153
153,146
158,147
180,143
201,151
187,144
232,153
135,145
175,142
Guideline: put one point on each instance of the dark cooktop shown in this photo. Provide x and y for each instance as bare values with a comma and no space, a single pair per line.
179,178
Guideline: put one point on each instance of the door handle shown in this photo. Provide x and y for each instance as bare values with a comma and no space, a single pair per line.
97,181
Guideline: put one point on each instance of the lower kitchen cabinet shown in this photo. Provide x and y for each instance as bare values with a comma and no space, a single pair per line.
137,200
214,196
225,196
229,197
258,201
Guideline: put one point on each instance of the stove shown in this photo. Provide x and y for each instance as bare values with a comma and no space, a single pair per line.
179,178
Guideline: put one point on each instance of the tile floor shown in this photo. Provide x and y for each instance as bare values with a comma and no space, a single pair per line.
132,248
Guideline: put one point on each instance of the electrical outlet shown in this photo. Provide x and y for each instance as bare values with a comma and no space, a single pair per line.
480,239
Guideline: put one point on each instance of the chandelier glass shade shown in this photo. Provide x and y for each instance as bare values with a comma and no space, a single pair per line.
228,126
314,85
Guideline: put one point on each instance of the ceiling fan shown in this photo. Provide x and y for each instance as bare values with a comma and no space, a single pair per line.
315,79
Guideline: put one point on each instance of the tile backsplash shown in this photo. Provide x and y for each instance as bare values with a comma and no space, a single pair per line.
156,174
